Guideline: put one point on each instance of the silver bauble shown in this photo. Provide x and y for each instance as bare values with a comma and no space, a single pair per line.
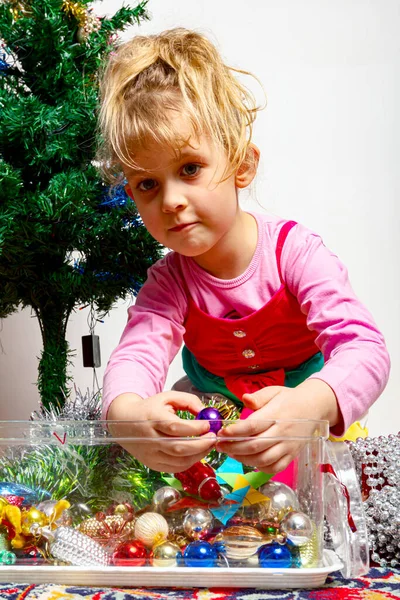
197,522
281,496
298,528
165,497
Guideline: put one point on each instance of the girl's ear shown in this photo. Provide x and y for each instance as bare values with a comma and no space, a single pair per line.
248,169
129,191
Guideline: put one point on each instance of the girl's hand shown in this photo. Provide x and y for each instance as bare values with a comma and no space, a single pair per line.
313,399
153,421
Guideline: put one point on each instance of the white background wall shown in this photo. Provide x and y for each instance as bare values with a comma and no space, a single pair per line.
330,158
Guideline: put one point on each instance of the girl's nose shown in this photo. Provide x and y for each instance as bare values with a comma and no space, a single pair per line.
173,199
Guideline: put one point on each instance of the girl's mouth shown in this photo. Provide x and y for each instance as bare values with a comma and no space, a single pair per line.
182,226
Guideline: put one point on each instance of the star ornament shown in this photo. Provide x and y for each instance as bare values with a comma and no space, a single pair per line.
231,469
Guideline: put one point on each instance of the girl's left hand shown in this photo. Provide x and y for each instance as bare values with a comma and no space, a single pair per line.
268,446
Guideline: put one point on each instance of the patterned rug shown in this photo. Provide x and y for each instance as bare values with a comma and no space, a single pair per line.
378,584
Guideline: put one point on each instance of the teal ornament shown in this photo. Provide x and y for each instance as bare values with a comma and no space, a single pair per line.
227,511
230,465
7,557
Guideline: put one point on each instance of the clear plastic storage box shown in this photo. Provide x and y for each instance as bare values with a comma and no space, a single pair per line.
77,508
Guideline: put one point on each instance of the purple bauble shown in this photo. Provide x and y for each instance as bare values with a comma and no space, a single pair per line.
213,416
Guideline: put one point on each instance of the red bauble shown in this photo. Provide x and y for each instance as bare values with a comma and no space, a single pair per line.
130,554
199,480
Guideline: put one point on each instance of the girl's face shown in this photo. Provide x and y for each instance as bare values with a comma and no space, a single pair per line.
182,201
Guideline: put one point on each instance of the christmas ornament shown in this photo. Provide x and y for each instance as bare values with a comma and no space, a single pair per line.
197,523
19,9
274,556
31,520
281,496
4,66
165,497
213,416
180,540
166,554
298,527
200,480
33,554
200,554
151,529
109,530
377,466
92,24
240,542
72,546
130,554
30,496
7,557
115,197
56,511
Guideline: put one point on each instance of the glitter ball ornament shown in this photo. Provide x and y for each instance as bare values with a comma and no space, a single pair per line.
240,542
274,556
298,528
72,546
282,497
164,497
200,554
166,554
151,529
197,523
131,553
213,416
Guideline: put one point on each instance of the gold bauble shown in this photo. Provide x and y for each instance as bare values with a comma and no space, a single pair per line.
166,554
32,520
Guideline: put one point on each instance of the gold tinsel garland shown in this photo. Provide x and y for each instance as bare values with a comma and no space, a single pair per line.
18,8
76,10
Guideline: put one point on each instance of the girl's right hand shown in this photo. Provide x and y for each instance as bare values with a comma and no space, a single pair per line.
158,430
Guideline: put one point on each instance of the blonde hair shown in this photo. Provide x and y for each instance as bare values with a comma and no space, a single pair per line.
177,70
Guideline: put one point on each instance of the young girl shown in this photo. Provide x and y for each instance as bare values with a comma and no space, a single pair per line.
265,310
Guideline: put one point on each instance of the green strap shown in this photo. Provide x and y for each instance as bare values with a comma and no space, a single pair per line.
209,383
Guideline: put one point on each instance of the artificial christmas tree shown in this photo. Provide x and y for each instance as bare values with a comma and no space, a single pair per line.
65,238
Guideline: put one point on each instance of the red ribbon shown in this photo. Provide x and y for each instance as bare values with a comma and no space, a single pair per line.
326,468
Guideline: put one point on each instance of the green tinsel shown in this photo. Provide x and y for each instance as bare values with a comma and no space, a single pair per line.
52,206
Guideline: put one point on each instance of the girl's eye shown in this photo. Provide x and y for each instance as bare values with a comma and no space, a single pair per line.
191,169
146,185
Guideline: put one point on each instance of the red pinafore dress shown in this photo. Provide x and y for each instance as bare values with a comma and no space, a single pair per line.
246,354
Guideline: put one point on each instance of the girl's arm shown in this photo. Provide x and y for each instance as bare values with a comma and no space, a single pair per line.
150,340
357,363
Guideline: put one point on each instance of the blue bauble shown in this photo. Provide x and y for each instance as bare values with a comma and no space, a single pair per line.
200,554
212,415
274,556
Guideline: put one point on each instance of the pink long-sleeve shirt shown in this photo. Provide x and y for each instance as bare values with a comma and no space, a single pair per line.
357,363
